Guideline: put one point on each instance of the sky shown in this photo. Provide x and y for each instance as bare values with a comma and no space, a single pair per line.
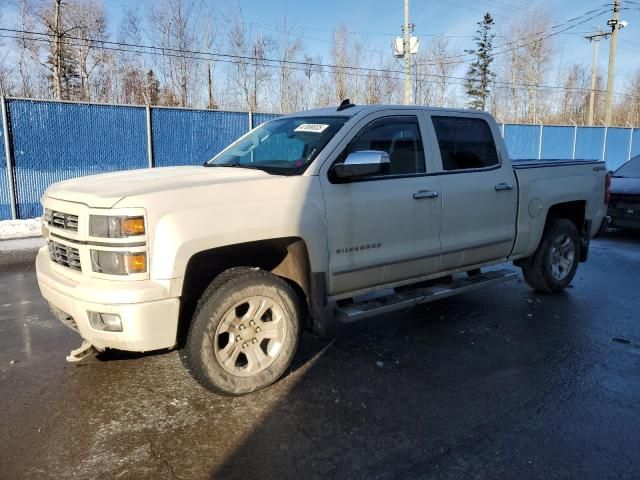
379,20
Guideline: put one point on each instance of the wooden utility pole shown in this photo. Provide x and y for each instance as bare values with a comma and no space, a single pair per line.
594,73
210,86
595,38
615,26
57,54
406,46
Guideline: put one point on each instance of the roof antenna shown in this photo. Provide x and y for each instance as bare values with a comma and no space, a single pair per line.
346,103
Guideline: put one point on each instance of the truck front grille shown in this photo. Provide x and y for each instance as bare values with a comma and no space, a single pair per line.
65,256
65,221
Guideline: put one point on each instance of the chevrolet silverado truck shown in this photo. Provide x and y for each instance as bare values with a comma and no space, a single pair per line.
309,221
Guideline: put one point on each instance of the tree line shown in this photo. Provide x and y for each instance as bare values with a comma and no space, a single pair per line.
186,53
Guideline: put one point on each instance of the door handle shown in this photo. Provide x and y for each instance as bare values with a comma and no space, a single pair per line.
425,194
503,186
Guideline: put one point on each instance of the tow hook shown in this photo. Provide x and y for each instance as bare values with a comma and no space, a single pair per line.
83,352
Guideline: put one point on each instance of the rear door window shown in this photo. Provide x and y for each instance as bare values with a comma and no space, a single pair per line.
465,143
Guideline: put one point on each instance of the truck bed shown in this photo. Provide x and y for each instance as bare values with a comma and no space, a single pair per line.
550,182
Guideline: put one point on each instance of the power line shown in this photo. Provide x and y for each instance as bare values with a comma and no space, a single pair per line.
302,65
537,40
298,66
110,42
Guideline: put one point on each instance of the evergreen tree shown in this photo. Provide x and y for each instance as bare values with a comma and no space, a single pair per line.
153,88
479,74
69,75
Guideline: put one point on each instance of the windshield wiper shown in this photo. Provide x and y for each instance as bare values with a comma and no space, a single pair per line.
263,168
230,165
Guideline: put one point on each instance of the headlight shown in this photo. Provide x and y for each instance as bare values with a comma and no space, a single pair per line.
118,263
115,227
47,215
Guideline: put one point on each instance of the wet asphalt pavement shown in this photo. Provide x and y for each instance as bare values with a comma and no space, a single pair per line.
498,383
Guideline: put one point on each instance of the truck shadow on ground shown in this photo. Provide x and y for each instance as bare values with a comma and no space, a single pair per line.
625,235
393,397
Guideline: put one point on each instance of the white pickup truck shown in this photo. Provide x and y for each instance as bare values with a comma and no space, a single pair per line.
308,221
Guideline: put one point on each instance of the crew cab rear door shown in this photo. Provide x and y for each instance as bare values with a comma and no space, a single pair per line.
479,191
386,227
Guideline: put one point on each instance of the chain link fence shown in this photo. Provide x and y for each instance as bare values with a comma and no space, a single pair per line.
53,141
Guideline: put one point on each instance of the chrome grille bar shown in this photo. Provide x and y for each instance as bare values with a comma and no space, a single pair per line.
64,255
64,221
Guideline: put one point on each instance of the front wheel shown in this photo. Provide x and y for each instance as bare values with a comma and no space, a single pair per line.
554,264
244,333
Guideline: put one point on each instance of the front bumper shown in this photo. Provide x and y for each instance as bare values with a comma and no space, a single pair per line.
149,318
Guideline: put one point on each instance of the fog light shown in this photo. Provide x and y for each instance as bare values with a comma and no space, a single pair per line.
108,322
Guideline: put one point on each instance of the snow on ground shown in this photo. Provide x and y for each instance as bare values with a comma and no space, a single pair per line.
11,229
21,244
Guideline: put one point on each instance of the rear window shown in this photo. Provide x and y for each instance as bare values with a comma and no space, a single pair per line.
465,143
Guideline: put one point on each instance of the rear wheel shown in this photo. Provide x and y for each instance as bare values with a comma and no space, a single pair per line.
554,264
245,332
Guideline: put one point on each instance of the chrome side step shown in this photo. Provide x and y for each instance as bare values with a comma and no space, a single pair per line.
398,300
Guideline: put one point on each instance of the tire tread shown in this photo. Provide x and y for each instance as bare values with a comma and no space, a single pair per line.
534,269
191,354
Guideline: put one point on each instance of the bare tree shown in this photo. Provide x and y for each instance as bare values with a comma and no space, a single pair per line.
169,55
373,88
174,28
424,79
527,64
75,28
131,64
628,108
28,50
208,42
345,64
252,71
89,24
575,95
433,71
289,50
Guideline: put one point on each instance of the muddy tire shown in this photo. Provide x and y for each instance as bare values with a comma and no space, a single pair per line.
244,333
554,264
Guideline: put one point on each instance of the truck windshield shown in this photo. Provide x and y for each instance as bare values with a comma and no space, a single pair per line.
283,147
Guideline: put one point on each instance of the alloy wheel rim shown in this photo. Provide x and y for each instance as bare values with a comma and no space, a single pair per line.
250,336
563,254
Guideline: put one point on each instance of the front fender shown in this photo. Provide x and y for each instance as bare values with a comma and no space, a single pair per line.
296,209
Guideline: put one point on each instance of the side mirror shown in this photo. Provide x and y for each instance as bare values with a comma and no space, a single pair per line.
362,164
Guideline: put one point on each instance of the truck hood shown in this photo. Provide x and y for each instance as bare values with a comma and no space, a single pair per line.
105,190
625,186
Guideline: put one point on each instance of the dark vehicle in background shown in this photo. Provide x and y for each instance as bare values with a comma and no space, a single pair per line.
624,200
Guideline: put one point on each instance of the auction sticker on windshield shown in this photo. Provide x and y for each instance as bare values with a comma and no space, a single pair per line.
311,127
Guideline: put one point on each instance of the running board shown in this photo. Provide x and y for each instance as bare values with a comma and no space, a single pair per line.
409,297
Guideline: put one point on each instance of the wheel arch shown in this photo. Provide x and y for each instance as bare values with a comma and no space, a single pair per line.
286,257
576,212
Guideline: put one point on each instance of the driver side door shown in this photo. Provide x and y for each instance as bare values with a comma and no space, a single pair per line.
384,228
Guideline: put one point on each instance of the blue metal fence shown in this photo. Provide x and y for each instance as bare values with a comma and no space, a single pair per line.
190,137
614,145
5,209
54,141
57,141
